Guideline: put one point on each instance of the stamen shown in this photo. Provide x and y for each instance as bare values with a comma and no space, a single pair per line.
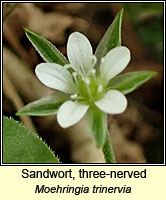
100,88
92,63
93,71
74,96
75,77
102,60
86,80
87,83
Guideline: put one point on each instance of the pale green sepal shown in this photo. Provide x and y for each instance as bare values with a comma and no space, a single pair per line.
46,49
45,106
111,38
97,121
130,81
20,145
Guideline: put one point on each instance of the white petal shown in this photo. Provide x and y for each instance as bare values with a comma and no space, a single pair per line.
70,113
79,53
56,77
114,102
114,62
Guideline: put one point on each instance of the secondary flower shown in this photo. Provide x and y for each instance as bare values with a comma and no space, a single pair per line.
86,85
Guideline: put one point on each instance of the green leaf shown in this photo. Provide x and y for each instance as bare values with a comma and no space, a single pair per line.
111,38
20,145
45,106
130,81
108,150
97,121
45,48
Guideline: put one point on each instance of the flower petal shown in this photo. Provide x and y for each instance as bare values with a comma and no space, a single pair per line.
70,113
79,53
114,62
55,76
114,102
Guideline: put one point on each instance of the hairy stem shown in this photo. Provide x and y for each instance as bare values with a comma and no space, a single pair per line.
108,150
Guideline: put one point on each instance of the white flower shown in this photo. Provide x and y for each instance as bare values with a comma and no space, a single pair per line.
86,86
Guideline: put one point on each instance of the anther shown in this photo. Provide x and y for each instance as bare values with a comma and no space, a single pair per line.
74,96
86,80
100,88
102,60
93,71
75,76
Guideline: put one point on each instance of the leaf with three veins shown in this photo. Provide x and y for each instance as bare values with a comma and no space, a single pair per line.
130,81
46,49
45,106
111,38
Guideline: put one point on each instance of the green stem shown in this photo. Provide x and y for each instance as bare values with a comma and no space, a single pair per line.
108,150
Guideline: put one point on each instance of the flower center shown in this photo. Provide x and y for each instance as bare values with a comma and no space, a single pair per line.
89,88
